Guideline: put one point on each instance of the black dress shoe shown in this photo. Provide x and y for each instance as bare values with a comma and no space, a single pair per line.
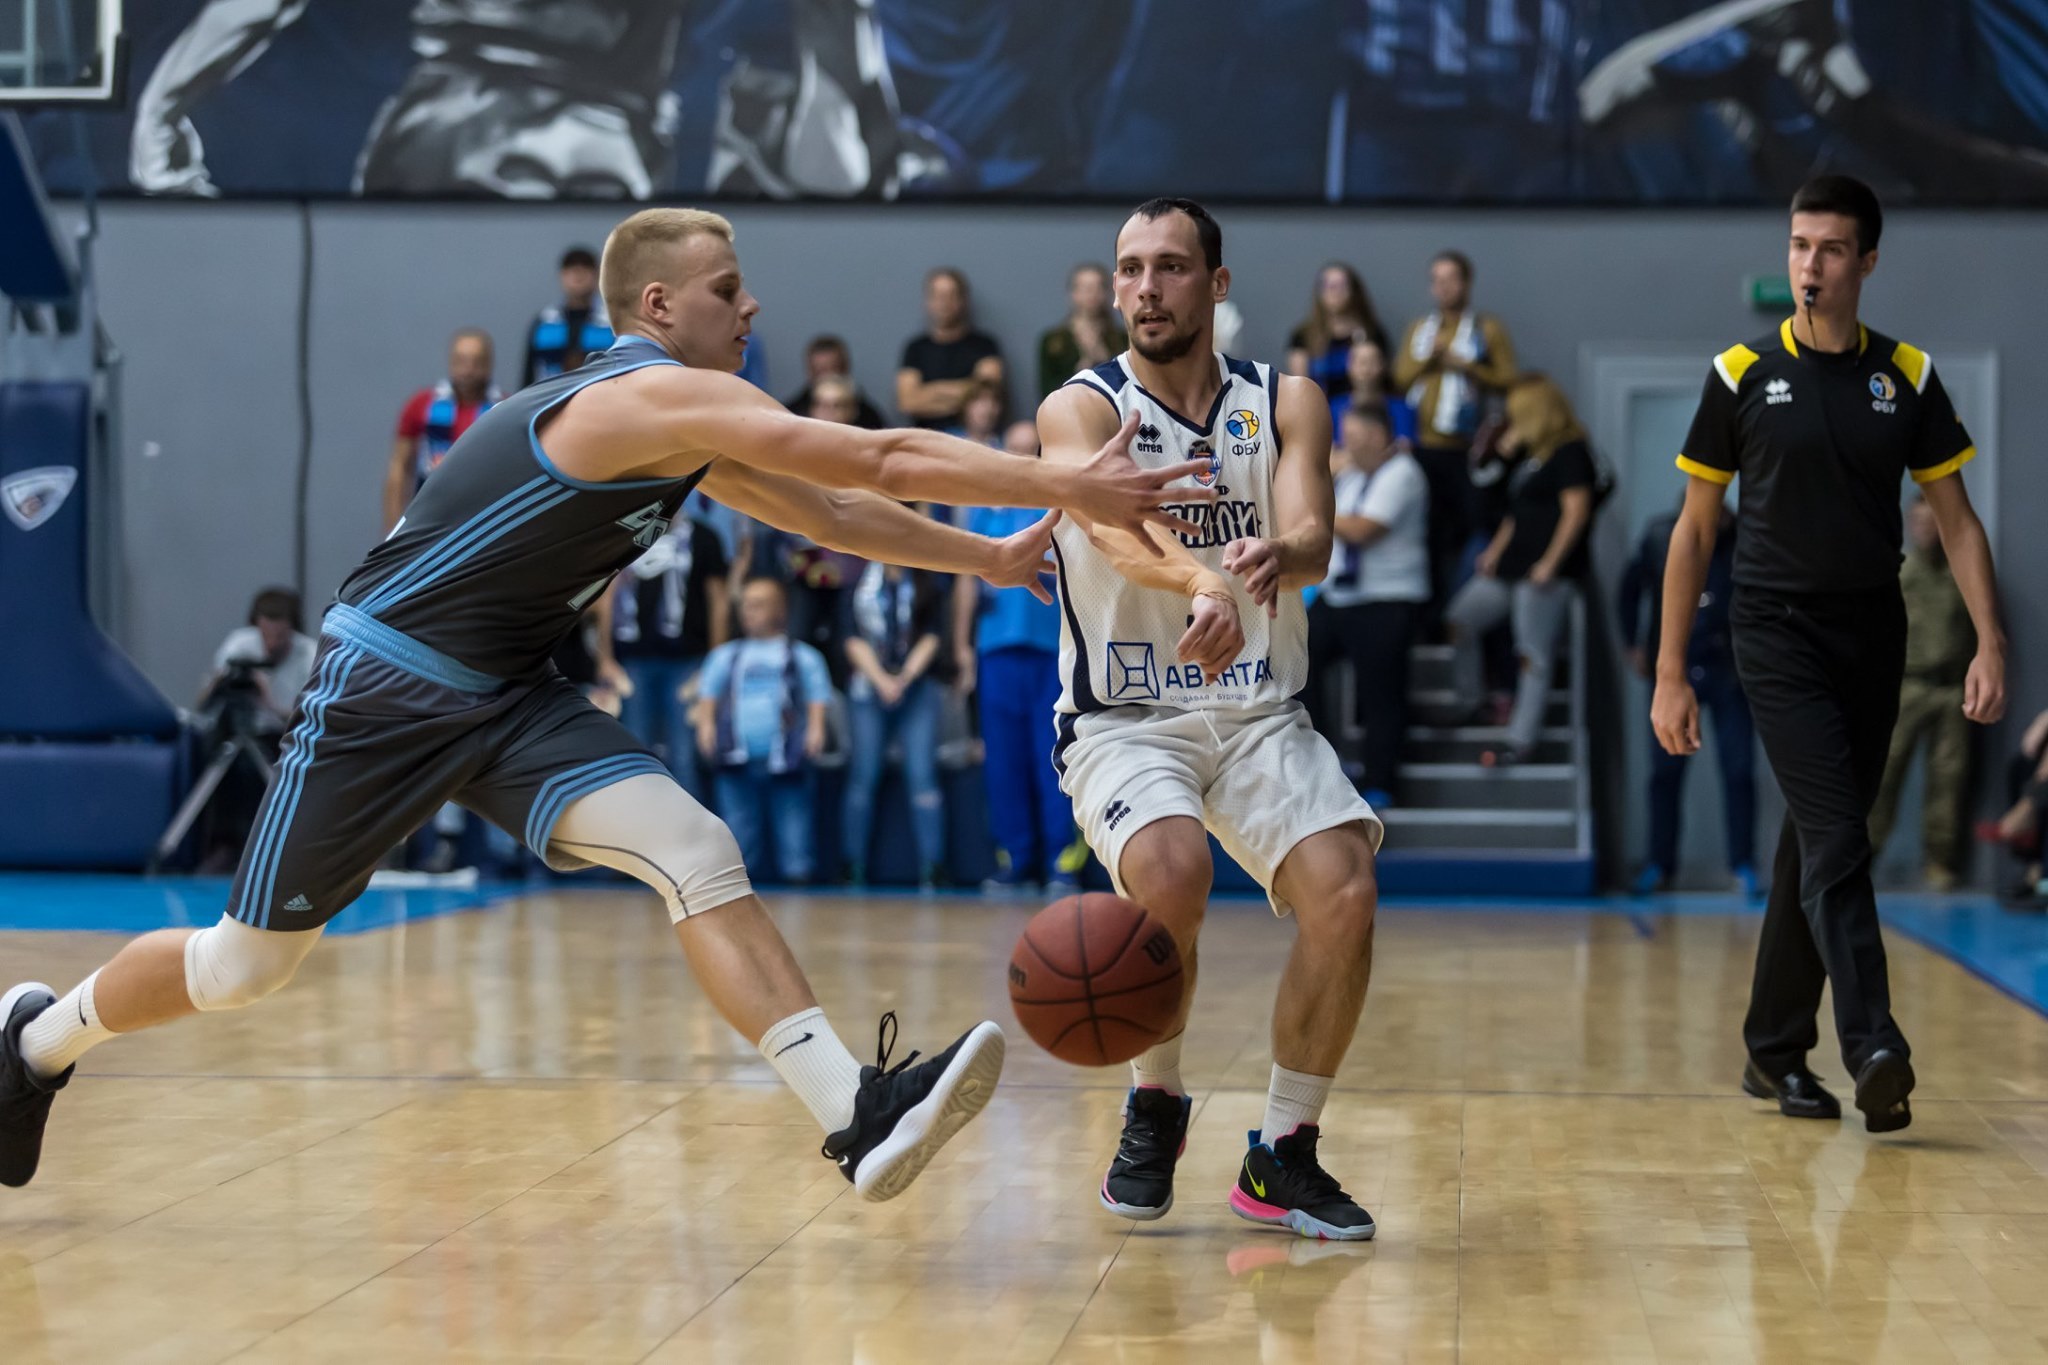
1799,1093
1881,1089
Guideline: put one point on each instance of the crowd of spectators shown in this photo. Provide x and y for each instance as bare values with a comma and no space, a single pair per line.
754,661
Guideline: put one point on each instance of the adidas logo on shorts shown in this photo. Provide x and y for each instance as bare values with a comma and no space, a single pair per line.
298,904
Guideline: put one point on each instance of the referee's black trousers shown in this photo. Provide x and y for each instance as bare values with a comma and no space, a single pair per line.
1822,673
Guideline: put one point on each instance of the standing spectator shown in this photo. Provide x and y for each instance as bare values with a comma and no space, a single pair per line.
1370,383
761,705
1089,335
1370,607
1940,642
892,618
1535,562
827,358
1339,314
1710,663
560,337
1454,365
433,419
1007,644
662,616
941,366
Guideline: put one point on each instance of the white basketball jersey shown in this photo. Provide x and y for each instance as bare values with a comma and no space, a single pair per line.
1117,638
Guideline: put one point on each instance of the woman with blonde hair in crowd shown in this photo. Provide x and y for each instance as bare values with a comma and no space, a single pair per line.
1339,313
1535,561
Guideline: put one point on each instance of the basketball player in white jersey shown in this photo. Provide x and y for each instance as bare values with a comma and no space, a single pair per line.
1178,719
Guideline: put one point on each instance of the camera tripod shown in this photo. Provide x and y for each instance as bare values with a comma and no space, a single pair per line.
237,745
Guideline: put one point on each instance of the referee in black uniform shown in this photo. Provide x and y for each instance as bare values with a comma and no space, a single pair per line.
1820,418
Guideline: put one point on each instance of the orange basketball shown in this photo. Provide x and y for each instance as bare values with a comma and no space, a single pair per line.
1095,980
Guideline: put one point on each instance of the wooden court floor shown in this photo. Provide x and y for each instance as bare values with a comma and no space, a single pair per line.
519,1134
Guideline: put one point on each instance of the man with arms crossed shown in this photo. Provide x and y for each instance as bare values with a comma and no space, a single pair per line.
1181,657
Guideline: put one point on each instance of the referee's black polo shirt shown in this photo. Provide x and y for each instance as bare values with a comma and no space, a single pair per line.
1820,441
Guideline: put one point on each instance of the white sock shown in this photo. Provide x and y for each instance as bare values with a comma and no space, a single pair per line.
1159,1066
1292,1099
61,1034
812,1061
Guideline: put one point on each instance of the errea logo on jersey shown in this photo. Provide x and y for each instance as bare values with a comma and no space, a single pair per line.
1778,391
1243,426
1148,439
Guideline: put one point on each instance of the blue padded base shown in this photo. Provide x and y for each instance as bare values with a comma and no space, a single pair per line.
87,805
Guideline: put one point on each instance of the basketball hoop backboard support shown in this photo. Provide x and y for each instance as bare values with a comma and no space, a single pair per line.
62,53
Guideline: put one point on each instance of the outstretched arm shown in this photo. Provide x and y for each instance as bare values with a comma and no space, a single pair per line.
666,421
873,527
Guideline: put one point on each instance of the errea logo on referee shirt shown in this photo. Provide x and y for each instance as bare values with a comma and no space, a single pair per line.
1778,391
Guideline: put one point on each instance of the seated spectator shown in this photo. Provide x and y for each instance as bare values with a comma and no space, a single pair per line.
981,420
892,618
1339,314
1007,644
1537,558
561,337
833,398
661,617
1370,607
761,704
1369,383
270,658
1710,664
1454,364
435,418
2023,829
1940,642
827,358
941,365
1090,334
258,672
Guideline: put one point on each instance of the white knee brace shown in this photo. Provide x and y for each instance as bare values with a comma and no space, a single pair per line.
649,828
232,964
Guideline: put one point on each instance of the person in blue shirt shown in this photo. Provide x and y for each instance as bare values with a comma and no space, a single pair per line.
891,620
1008,647
761,705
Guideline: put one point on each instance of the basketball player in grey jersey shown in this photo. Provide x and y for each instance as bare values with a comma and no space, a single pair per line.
1178,720
433,684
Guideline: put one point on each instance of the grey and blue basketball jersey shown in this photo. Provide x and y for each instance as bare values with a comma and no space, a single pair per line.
1117,638
499,554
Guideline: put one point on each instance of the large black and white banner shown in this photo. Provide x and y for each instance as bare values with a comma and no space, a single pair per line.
1369,101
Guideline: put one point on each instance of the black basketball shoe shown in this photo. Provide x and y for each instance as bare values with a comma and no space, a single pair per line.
1284,1186
902,1116
24,1096
1139,1185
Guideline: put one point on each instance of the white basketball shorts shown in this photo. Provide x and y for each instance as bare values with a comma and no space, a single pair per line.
1259,778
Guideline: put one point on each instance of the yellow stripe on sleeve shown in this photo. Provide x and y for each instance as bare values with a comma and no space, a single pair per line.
1945,468
1706,471
1732,364
1914,364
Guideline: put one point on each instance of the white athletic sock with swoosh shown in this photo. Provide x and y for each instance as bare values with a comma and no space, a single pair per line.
812,1061
1293,1098
61,1034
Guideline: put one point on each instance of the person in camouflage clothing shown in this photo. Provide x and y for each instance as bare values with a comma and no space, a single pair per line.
1940,642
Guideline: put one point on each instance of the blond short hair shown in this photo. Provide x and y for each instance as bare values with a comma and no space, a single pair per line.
634,252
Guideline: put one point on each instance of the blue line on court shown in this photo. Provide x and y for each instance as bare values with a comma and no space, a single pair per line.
107,903
2006,949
